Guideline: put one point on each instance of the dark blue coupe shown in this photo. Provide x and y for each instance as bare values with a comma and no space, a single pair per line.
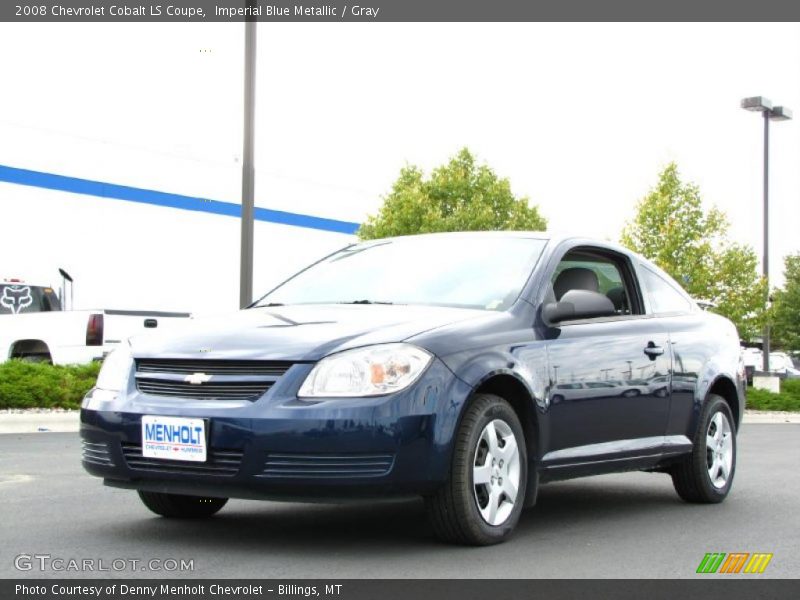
468,368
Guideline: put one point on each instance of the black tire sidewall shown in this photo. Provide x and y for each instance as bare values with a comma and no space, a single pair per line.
496,408
714,405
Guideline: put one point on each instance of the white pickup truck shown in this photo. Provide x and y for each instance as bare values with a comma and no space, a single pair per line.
34,326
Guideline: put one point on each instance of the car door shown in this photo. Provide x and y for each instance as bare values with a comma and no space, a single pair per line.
606,363
689,343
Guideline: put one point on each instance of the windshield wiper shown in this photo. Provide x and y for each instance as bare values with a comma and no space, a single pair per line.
365,302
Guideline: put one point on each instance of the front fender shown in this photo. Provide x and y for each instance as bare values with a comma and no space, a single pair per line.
526,366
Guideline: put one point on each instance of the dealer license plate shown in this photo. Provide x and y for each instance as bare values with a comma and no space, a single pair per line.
174,438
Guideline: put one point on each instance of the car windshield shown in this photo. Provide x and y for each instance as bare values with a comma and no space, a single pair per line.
460,271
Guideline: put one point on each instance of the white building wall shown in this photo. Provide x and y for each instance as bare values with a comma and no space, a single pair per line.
161,112
135,256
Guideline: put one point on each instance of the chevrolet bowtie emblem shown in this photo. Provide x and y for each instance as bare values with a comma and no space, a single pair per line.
197,378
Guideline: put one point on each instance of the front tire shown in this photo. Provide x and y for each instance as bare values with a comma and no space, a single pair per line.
481,502
181,507
706,475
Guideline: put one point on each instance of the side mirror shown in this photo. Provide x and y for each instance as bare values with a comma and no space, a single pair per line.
578,304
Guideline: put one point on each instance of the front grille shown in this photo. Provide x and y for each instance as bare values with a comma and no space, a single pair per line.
210,391
208,379
223,463
96,453
212,367
322,466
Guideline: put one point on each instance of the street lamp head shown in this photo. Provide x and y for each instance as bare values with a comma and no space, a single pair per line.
780,113
757,104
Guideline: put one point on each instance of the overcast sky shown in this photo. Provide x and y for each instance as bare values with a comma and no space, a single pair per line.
579,117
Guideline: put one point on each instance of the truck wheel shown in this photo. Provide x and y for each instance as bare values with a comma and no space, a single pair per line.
481,502
706,475
37,358
181,507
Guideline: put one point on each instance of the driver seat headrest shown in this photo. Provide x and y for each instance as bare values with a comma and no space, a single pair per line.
575,278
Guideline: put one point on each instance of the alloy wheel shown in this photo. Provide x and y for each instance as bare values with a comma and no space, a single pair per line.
719,450
496,472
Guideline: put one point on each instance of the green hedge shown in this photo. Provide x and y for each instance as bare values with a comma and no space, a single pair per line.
788,399
41,385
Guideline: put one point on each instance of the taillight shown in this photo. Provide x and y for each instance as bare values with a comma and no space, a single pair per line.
94,330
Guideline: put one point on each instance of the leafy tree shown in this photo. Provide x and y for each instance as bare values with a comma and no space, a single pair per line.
672,229
458,196
786,307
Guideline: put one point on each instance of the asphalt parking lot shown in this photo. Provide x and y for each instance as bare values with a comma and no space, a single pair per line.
628,525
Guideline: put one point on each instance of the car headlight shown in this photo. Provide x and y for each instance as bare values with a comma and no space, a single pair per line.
369,371
115,370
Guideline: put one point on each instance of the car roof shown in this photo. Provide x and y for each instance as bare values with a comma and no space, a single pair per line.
553,238
542,235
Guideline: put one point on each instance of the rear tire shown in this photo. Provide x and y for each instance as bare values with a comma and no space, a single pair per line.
706,475
481,502
181,507
37,358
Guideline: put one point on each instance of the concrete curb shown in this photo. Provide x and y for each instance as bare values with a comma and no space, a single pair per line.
32,422
68,421
771,416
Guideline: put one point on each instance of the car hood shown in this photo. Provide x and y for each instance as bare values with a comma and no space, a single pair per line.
295,333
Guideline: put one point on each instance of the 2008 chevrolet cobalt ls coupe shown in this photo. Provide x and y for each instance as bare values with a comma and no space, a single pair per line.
468,368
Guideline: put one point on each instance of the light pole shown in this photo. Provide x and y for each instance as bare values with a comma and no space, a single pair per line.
248,170
771,113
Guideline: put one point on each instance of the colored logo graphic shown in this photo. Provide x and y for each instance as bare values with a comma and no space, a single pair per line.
735,562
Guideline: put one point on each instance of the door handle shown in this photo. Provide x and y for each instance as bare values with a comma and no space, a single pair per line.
652,350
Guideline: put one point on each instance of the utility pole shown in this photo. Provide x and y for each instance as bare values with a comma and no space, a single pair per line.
770,113
248,170
765,345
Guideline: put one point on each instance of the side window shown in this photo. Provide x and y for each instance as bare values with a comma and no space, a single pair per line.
585,270
50,300
569,386
664,298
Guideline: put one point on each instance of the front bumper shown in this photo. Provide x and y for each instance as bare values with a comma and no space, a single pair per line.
282,447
